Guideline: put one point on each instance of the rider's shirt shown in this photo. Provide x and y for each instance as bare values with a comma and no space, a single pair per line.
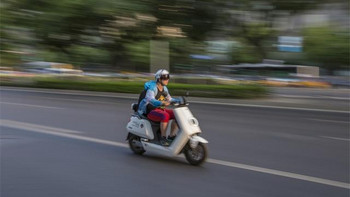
153,97
161,96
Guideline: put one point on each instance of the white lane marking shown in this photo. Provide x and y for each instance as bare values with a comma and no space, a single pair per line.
35,127
13,124
56,131
100,94
281,173
314,97
71,92
338,98
78,100
273,107
29,105
336,138
333,121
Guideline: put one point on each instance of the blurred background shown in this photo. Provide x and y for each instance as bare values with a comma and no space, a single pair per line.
291,54
278,41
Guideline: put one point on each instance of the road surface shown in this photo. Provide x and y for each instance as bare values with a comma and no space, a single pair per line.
74,145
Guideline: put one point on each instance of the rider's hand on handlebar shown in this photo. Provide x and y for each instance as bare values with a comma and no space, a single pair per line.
165,103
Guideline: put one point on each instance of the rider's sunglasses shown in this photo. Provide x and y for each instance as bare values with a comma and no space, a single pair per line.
165,77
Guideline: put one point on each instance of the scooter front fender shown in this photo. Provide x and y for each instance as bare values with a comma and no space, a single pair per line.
199,139
194,140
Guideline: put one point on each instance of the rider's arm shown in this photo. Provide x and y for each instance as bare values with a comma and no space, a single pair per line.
150,98
175,100
171,99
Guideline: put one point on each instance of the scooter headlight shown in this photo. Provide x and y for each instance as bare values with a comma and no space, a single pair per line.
194,122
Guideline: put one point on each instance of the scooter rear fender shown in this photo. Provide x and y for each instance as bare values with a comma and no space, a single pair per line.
128,137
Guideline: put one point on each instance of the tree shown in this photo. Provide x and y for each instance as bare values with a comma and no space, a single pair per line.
328,47
251,21
194,19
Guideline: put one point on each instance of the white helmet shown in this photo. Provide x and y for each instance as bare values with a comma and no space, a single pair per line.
162,74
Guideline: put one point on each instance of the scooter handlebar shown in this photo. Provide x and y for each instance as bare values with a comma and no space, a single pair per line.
182,101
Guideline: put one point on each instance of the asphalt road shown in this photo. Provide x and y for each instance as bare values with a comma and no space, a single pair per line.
71,145
318,93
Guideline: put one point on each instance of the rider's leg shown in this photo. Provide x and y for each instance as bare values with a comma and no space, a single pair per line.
174,128
163,127
161,116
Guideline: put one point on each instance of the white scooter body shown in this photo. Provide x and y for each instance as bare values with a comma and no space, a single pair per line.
188,132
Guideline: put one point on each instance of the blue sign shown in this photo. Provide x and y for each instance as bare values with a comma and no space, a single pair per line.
290,44
290,48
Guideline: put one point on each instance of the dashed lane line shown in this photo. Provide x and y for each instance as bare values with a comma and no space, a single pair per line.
281,173
29,105
336,138
36,127
329,121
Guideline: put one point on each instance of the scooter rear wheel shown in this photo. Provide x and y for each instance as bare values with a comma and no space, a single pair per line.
196,156
135,145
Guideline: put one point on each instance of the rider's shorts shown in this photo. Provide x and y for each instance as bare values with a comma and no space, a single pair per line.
161,115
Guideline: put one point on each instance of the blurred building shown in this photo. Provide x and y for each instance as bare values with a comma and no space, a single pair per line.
270,68
327,14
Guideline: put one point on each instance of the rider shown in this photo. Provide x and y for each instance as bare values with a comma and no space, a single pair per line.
153,105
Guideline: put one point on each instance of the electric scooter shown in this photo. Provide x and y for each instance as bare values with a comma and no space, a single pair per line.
144,134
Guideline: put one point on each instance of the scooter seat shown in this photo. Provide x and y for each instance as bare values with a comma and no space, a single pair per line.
154,123
135,107
151,121
142,116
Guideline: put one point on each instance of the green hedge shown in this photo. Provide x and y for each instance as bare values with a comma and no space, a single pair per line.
124,86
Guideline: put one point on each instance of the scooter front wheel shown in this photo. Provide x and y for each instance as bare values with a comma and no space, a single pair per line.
196,156
135,145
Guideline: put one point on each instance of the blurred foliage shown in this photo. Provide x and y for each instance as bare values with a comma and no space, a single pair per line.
84,55
246,53
127,86
252,48
328,47
116,34
295,5
139,53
